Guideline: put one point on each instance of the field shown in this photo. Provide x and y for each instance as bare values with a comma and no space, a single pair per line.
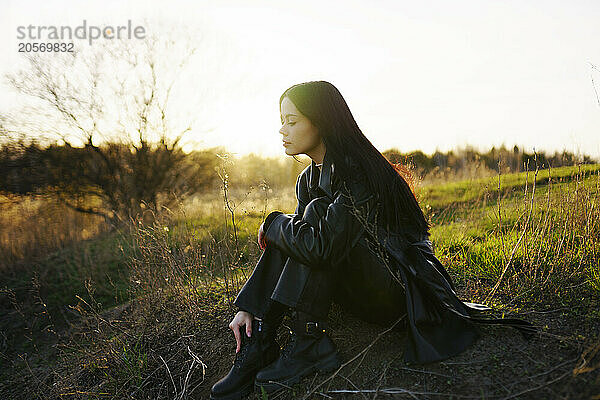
142,312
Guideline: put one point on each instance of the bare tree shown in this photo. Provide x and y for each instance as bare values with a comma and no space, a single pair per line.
112,98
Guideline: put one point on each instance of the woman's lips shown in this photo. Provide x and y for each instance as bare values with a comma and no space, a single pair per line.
285,143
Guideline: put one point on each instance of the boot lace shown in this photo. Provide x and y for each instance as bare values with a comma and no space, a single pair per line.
240,357
287,350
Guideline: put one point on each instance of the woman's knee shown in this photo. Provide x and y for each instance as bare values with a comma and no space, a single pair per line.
315,210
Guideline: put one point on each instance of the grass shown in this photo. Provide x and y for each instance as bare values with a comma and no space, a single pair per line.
142,312
35,226
549,233
479,191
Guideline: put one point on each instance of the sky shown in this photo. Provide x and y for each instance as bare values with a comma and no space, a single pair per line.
428,75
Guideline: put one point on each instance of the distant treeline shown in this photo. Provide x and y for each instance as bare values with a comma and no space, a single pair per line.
30,168
126,179
507,160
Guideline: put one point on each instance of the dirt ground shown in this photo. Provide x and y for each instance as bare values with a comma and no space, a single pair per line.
500,365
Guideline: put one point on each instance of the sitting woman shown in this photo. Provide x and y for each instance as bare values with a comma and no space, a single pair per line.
357,237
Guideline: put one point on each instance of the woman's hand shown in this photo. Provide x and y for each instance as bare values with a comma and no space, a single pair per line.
261,237
241,318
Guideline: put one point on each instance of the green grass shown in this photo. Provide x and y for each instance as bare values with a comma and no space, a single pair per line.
97,264
177,272
470,234
552,234
455,193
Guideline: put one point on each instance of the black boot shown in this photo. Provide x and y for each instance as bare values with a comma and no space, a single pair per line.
309,349
255,352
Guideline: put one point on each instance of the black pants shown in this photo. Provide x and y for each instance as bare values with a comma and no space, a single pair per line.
363,287
280,280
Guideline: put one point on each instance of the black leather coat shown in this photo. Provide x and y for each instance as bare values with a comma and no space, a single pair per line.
439,324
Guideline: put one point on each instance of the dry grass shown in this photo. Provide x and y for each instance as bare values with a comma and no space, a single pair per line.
36,226
530,250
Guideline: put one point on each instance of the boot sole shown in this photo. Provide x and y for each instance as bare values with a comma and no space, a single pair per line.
243,392
328,364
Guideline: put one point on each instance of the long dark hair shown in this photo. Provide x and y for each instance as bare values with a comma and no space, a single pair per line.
324,106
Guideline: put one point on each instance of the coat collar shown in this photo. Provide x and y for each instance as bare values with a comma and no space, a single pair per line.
321,180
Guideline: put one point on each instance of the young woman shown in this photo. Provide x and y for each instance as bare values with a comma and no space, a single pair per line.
357,237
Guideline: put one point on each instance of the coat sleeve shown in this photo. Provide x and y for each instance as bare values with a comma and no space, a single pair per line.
328,242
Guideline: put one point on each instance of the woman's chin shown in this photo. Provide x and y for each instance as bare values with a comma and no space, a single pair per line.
289,152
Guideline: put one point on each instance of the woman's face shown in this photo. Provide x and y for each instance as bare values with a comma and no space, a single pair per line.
299,135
